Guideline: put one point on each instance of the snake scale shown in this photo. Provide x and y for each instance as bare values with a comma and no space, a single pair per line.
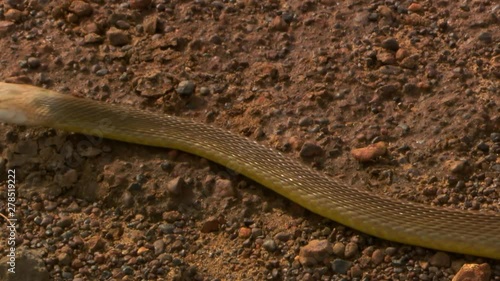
467,232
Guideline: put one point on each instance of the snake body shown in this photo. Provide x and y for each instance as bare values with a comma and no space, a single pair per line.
467,232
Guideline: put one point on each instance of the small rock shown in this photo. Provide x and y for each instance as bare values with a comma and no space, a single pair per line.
339,249
142,250
127,270
175,186
278,24
171,216
316,251
65,221
6,26
306,121
341,266
118,37
390,44
282,236
64,258
269,245
223,188
430,190
440,259
210,225
93,38
473,272
185,88
73,207
390,251
410,62
378,256
33,62
483,147
310,149
244,232
80,8
13,15
139,4
150,24
96,243
486,37
458,166
386,58
159,247
388,90
415,8
356,271
351,250
495,137
121,24
370,152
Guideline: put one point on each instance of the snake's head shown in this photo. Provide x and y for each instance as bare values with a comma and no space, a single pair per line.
14,103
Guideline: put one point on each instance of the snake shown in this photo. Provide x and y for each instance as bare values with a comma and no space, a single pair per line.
446,229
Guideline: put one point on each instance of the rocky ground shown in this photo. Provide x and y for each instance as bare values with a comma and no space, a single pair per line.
314,79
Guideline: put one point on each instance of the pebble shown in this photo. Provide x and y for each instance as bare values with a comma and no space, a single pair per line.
159,247
34,62
473,272
282,236
223,188
118,37
244,232
176,186
457,166
204,91
316,251
495,137
210,225
95,243
150,24
390,251
390,44
386,58
64,258
185,88
65,221
378,256
351,250
370,152
6,26
339,249
415,8
484,147
139,4
121,24
486,37
278,24
13,15
177,246
142,250
440,259
310,149
80,8
341,266
93,38
269,245
167,228
306,121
